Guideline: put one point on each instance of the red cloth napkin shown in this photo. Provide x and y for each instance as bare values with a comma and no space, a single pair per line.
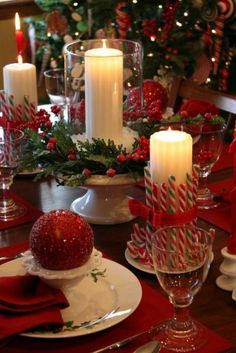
152,309
27,302
32,213
221,215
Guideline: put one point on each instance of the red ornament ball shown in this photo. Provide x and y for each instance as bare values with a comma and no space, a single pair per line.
61,240
152,91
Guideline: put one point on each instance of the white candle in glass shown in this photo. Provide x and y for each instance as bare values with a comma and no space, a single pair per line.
19,80
170,154
104,94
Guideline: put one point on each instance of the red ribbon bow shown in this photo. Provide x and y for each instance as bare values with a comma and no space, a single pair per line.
159,218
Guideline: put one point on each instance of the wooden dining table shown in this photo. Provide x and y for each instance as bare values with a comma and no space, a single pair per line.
212,306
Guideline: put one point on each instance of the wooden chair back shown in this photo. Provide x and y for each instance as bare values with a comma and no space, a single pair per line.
187,89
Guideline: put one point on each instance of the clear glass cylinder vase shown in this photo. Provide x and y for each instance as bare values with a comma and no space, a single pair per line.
100,74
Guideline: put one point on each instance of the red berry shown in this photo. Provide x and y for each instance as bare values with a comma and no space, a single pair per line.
71,156
61,240
52,140
111,172
50,146
208,116
121,158
87,172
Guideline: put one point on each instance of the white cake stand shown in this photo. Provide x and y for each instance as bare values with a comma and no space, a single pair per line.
106,200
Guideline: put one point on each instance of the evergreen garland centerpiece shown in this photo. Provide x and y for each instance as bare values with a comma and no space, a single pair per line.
52,147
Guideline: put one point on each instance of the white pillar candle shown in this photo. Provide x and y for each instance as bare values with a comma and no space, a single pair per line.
104,94
19,80
170,154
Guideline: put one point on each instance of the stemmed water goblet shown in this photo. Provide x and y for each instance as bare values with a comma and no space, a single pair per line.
11,143
55,87
181,258
208,143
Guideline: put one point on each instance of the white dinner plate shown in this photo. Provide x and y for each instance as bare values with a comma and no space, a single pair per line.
138,264
116,288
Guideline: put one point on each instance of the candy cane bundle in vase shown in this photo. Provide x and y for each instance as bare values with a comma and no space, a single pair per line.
170,192
17,113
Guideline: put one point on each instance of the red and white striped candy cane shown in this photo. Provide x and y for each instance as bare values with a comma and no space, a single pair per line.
220,20
148,187
172,194
122,19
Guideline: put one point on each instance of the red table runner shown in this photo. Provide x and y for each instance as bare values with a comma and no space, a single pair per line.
152,309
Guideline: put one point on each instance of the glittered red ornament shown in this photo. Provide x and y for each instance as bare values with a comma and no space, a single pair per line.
61,240
152,91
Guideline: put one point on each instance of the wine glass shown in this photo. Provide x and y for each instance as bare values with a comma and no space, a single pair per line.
181,258
55,87
11,141
208,143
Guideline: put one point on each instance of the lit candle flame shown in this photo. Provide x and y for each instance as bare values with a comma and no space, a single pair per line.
20,59
17,21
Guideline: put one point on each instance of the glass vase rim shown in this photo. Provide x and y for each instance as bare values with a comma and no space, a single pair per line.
175,251
11,129
222,128
118,40
56,69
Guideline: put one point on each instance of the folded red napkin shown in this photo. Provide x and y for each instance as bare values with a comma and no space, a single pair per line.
32,213
220,216
27,302
225,161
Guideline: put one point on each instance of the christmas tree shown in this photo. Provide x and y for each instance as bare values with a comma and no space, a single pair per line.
179,37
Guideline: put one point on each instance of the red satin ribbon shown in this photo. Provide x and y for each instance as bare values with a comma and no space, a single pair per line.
159,218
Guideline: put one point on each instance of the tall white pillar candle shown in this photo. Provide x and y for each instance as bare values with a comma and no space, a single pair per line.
104,94
19,80
170,154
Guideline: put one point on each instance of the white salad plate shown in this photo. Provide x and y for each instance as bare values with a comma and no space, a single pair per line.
138,264
111,287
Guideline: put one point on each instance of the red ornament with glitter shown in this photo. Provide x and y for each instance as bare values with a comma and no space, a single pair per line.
152,92
61,240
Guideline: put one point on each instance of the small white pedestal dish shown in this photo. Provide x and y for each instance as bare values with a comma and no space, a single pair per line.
227,280
106,200
61,279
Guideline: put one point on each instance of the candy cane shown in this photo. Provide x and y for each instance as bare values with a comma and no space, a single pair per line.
148,187
172,194
155,200
11,107
26,108
189,190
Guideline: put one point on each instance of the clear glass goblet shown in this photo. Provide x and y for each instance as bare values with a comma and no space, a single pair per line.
55,88
208,144
11,143
181,258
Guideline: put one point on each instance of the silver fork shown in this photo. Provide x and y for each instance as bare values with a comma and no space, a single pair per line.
8,258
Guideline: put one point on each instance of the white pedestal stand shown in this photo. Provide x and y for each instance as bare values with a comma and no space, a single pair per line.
227,280
106,200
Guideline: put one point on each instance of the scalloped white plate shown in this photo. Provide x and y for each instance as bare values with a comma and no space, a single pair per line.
89,300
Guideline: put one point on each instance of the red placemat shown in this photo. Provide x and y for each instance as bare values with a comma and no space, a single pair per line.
32,213
221,215
153,308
